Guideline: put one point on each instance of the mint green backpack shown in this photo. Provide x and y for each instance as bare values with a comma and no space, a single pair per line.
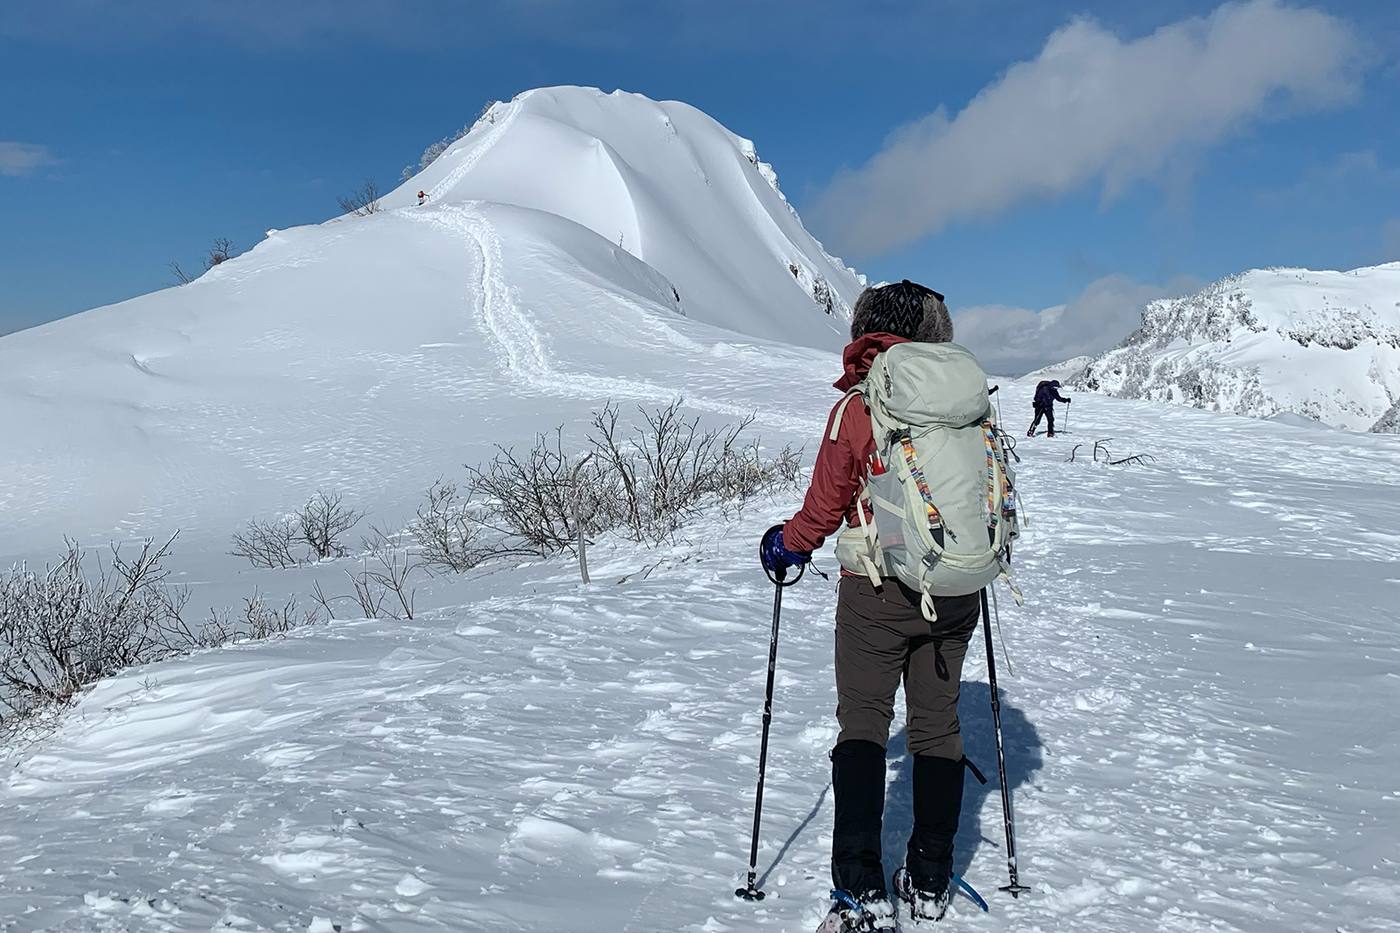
939,488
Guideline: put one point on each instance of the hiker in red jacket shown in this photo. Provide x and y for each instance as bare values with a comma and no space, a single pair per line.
883,637
422,197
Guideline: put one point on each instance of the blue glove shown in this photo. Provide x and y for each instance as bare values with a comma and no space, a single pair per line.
775,556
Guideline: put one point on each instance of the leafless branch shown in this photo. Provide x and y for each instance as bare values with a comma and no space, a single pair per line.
361,202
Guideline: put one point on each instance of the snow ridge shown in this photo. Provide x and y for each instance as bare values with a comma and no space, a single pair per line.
499,125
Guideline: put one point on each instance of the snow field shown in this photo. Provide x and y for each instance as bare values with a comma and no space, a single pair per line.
1191,728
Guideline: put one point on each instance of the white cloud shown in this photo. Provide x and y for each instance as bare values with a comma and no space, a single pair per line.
1092,107
1011,341
22,158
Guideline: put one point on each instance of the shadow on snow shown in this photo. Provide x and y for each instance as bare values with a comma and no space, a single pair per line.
1023,758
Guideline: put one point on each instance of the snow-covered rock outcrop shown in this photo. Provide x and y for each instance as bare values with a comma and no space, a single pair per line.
1389,422
1325,345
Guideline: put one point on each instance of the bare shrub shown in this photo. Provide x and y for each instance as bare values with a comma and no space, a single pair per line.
219,253
262,619
64,628
82,619
647,480
386,571
323,521
1104,455
267,543
258,619
361,202
318,526
670,469
448,530
382,587
536,499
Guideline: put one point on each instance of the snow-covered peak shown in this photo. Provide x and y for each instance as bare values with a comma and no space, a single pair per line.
666,183
1325,345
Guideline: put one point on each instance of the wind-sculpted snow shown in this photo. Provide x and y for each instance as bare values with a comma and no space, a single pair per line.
1325,345
669,185
1197,716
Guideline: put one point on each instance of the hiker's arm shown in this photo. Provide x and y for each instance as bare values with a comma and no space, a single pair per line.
835,479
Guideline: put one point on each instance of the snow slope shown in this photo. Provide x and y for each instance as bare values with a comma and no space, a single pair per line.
1199,725
1325,345
369,353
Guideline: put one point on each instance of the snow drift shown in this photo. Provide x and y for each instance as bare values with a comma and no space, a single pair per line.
1324,345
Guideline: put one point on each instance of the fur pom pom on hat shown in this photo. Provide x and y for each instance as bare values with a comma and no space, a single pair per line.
905,309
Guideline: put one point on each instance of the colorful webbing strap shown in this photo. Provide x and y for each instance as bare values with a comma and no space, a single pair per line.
1008,495
992,490
906,442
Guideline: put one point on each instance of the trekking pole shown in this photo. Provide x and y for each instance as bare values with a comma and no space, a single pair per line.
750,891
1066,427
1015,887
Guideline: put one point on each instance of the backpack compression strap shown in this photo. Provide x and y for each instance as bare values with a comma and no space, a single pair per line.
862,497
841,412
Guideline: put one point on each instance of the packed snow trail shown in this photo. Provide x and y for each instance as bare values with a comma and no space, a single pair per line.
520,342
1200,730
464,163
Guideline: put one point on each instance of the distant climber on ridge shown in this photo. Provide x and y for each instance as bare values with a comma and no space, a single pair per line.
422,197
1047,393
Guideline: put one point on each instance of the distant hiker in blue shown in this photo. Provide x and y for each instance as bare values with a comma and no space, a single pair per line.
1047,393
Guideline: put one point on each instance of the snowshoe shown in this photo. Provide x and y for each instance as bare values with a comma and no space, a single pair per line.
923,905
1049,433
866,915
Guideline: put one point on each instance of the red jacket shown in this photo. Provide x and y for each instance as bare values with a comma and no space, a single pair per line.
841,464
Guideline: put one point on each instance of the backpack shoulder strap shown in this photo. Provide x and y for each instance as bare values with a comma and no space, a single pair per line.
841,412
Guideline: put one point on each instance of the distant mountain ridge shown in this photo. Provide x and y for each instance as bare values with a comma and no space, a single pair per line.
1324,345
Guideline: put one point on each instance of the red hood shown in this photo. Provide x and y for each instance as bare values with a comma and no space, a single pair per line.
860,353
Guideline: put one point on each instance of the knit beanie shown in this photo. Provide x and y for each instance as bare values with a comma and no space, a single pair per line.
905,309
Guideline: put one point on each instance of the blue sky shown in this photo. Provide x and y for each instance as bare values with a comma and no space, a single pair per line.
132,134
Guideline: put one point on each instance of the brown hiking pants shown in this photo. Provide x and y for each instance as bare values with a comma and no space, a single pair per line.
883,638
